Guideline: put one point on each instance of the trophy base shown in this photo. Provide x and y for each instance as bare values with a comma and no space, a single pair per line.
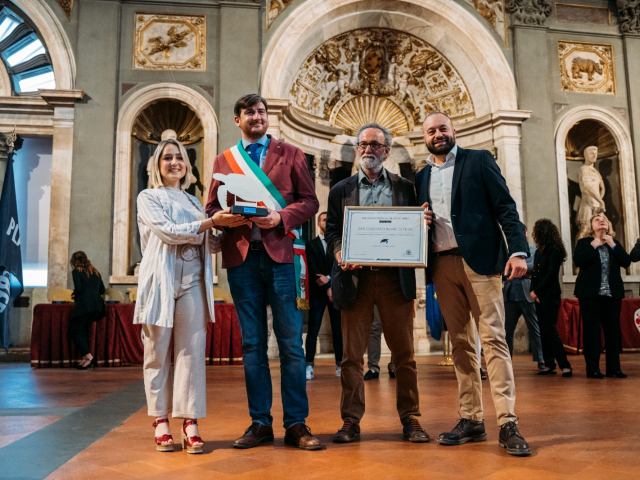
249,211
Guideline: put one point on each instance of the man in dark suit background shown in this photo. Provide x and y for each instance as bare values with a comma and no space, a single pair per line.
357,289
517,303
468,255
320,264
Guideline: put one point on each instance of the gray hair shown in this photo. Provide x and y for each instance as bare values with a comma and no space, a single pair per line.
387,134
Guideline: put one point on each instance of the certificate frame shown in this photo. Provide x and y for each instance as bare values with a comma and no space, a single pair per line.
370,221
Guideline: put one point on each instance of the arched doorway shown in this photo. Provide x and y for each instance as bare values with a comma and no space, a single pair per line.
139,118
331,64
587,126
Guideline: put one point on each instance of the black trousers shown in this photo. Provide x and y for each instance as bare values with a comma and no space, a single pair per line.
552,348
601,312
316,311
79,328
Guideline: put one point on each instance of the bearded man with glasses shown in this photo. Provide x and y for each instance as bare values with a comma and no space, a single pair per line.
357,289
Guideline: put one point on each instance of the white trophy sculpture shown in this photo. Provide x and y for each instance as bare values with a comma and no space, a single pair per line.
249,189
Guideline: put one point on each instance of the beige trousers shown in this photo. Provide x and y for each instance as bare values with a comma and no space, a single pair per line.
463,296
182,391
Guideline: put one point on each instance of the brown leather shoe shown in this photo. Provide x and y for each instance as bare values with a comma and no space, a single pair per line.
348,433
412,431
300,436
254,436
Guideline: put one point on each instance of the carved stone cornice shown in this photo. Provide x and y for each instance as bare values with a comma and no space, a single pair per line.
61,98
629,16
529,12
67,7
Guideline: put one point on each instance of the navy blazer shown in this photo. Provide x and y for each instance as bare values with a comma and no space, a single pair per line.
344,284
480,205
545,280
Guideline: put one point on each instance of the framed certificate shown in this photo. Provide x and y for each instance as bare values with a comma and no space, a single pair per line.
385,236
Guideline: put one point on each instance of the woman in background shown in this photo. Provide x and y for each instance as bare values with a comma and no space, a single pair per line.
175,295
600,290
89,305
546,292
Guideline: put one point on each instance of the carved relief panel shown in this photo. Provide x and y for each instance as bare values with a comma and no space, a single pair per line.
169,42
275,8
587,67
493,11
378,75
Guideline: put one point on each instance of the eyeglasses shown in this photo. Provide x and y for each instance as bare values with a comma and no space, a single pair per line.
374,146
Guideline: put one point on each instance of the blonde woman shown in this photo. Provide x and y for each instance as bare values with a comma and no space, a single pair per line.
600,290
175,295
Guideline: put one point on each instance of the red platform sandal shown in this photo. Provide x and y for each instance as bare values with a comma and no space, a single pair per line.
192,444
165,442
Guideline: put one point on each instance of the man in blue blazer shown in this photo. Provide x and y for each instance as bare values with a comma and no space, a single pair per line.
468,256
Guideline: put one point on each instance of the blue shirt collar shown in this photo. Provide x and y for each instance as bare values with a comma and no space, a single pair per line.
450,159
263,141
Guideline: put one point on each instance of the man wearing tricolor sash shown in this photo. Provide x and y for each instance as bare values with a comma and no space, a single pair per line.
266,265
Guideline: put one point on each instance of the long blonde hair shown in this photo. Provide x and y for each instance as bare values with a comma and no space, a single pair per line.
610,231
155,178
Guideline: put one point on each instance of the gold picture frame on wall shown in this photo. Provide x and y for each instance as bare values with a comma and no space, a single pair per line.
169,42
587,67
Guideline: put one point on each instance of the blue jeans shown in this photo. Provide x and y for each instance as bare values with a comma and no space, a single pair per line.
259,282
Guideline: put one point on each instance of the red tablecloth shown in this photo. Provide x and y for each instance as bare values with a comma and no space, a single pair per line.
116,341
570,325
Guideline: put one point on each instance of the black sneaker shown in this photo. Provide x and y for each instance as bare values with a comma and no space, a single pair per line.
465,431
511,439
371,375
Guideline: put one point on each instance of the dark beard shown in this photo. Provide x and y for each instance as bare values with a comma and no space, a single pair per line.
448,146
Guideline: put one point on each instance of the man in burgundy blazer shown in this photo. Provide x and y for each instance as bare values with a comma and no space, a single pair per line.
258,256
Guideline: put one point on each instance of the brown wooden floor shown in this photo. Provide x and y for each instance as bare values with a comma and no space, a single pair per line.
577,427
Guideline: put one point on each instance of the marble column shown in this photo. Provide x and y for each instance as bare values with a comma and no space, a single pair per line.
60,197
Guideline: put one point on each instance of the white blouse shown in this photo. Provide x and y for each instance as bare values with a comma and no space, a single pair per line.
168,218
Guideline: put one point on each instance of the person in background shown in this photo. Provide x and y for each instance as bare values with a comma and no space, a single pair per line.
600,290
89,305
518,302
175,295
320,266
546,292
635,252
374,350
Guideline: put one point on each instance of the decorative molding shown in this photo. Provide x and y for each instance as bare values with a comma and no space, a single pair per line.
568,12
529,12
587,67
67,7
274,9
493,11
386,68
629,16
169,42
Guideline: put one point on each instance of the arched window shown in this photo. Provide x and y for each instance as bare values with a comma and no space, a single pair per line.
24,54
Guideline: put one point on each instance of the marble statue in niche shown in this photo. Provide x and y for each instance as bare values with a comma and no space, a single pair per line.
592,192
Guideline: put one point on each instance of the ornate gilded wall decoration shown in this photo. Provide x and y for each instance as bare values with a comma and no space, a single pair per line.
67,7
493,11
529,12
275,8
379,75
169,42
629,15
587,67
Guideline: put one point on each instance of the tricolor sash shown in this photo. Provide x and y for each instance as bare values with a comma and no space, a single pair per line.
242,164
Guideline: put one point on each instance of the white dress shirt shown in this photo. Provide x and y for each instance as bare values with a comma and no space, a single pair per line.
440,186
